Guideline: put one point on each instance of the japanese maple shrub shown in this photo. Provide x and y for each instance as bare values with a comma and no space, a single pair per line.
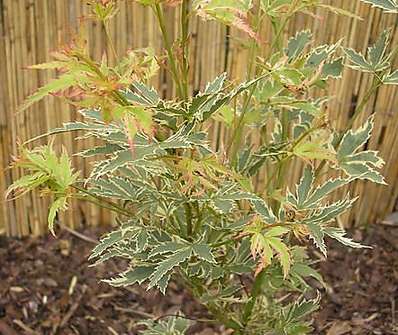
189,213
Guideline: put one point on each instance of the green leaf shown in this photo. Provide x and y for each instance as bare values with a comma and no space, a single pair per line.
309,195
339,235
333,69
296,44
263,210
353,140
376,61
121,158
362,170
171,325
276,231
168,264
115,187
304,270
204,105
105,243
377,51
358,61
27,183
229,12
107,149
259,245
323,190
226,115
164,282
317,234
291,76
320,54
148,2
47,171
283,253
330,212
275,8
59,204
390,6
142,94
224,200
301,308
391,78
48,66
216,85
203,251
166,248
319,150
356,164
305,186
63,82
130,277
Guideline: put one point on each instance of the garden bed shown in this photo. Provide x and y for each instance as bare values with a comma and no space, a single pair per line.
46,287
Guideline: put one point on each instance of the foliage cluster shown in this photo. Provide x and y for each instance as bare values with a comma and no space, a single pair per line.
189,213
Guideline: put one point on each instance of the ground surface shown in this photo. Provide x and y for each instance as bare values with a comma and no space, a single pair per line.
46,287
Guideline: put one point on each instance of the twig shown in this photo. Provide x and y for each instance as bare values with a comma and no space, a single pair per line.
393,311
72,309
79,235
114,332
25,327
134,311
390,224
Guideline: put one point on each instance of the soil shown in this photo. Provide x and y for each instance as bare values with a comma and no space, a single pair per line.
47,287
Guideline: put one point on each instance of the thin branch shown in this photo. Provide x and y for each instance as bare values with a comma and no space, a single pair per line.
79,235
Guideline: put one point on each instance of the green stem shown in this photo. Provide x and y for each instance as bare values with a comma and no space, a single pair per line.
255,292
277,40
185,47
375,85
198,218
197,290
93,66
282,164
188,218
103,203
277,37
251,72
234,141
173,66
98,203
109,39
237,134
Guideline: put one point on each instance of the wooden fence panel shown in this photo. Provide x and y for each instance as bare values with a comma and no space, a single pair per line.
31,29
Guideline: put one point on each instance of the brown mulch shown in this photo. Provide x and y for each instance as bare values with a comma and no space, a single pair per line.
47,287
363,291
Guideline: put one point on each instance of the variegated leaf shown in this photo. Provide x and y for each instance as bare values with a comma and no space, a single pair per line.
364,164
390,6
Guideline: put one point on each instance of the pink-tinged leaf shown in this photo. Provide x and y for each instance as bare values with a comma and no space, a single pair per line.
131,131
241,22
229,12
136,119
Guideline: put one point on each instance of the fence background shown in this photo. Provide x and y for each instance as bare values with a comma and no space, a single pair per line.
31,29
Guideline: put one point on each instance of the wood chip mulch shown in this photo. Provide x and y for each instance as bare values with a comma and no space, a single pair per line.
47,287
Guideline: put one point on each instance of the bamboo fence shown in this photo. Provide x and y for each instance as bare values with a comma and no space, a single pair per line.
31,29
